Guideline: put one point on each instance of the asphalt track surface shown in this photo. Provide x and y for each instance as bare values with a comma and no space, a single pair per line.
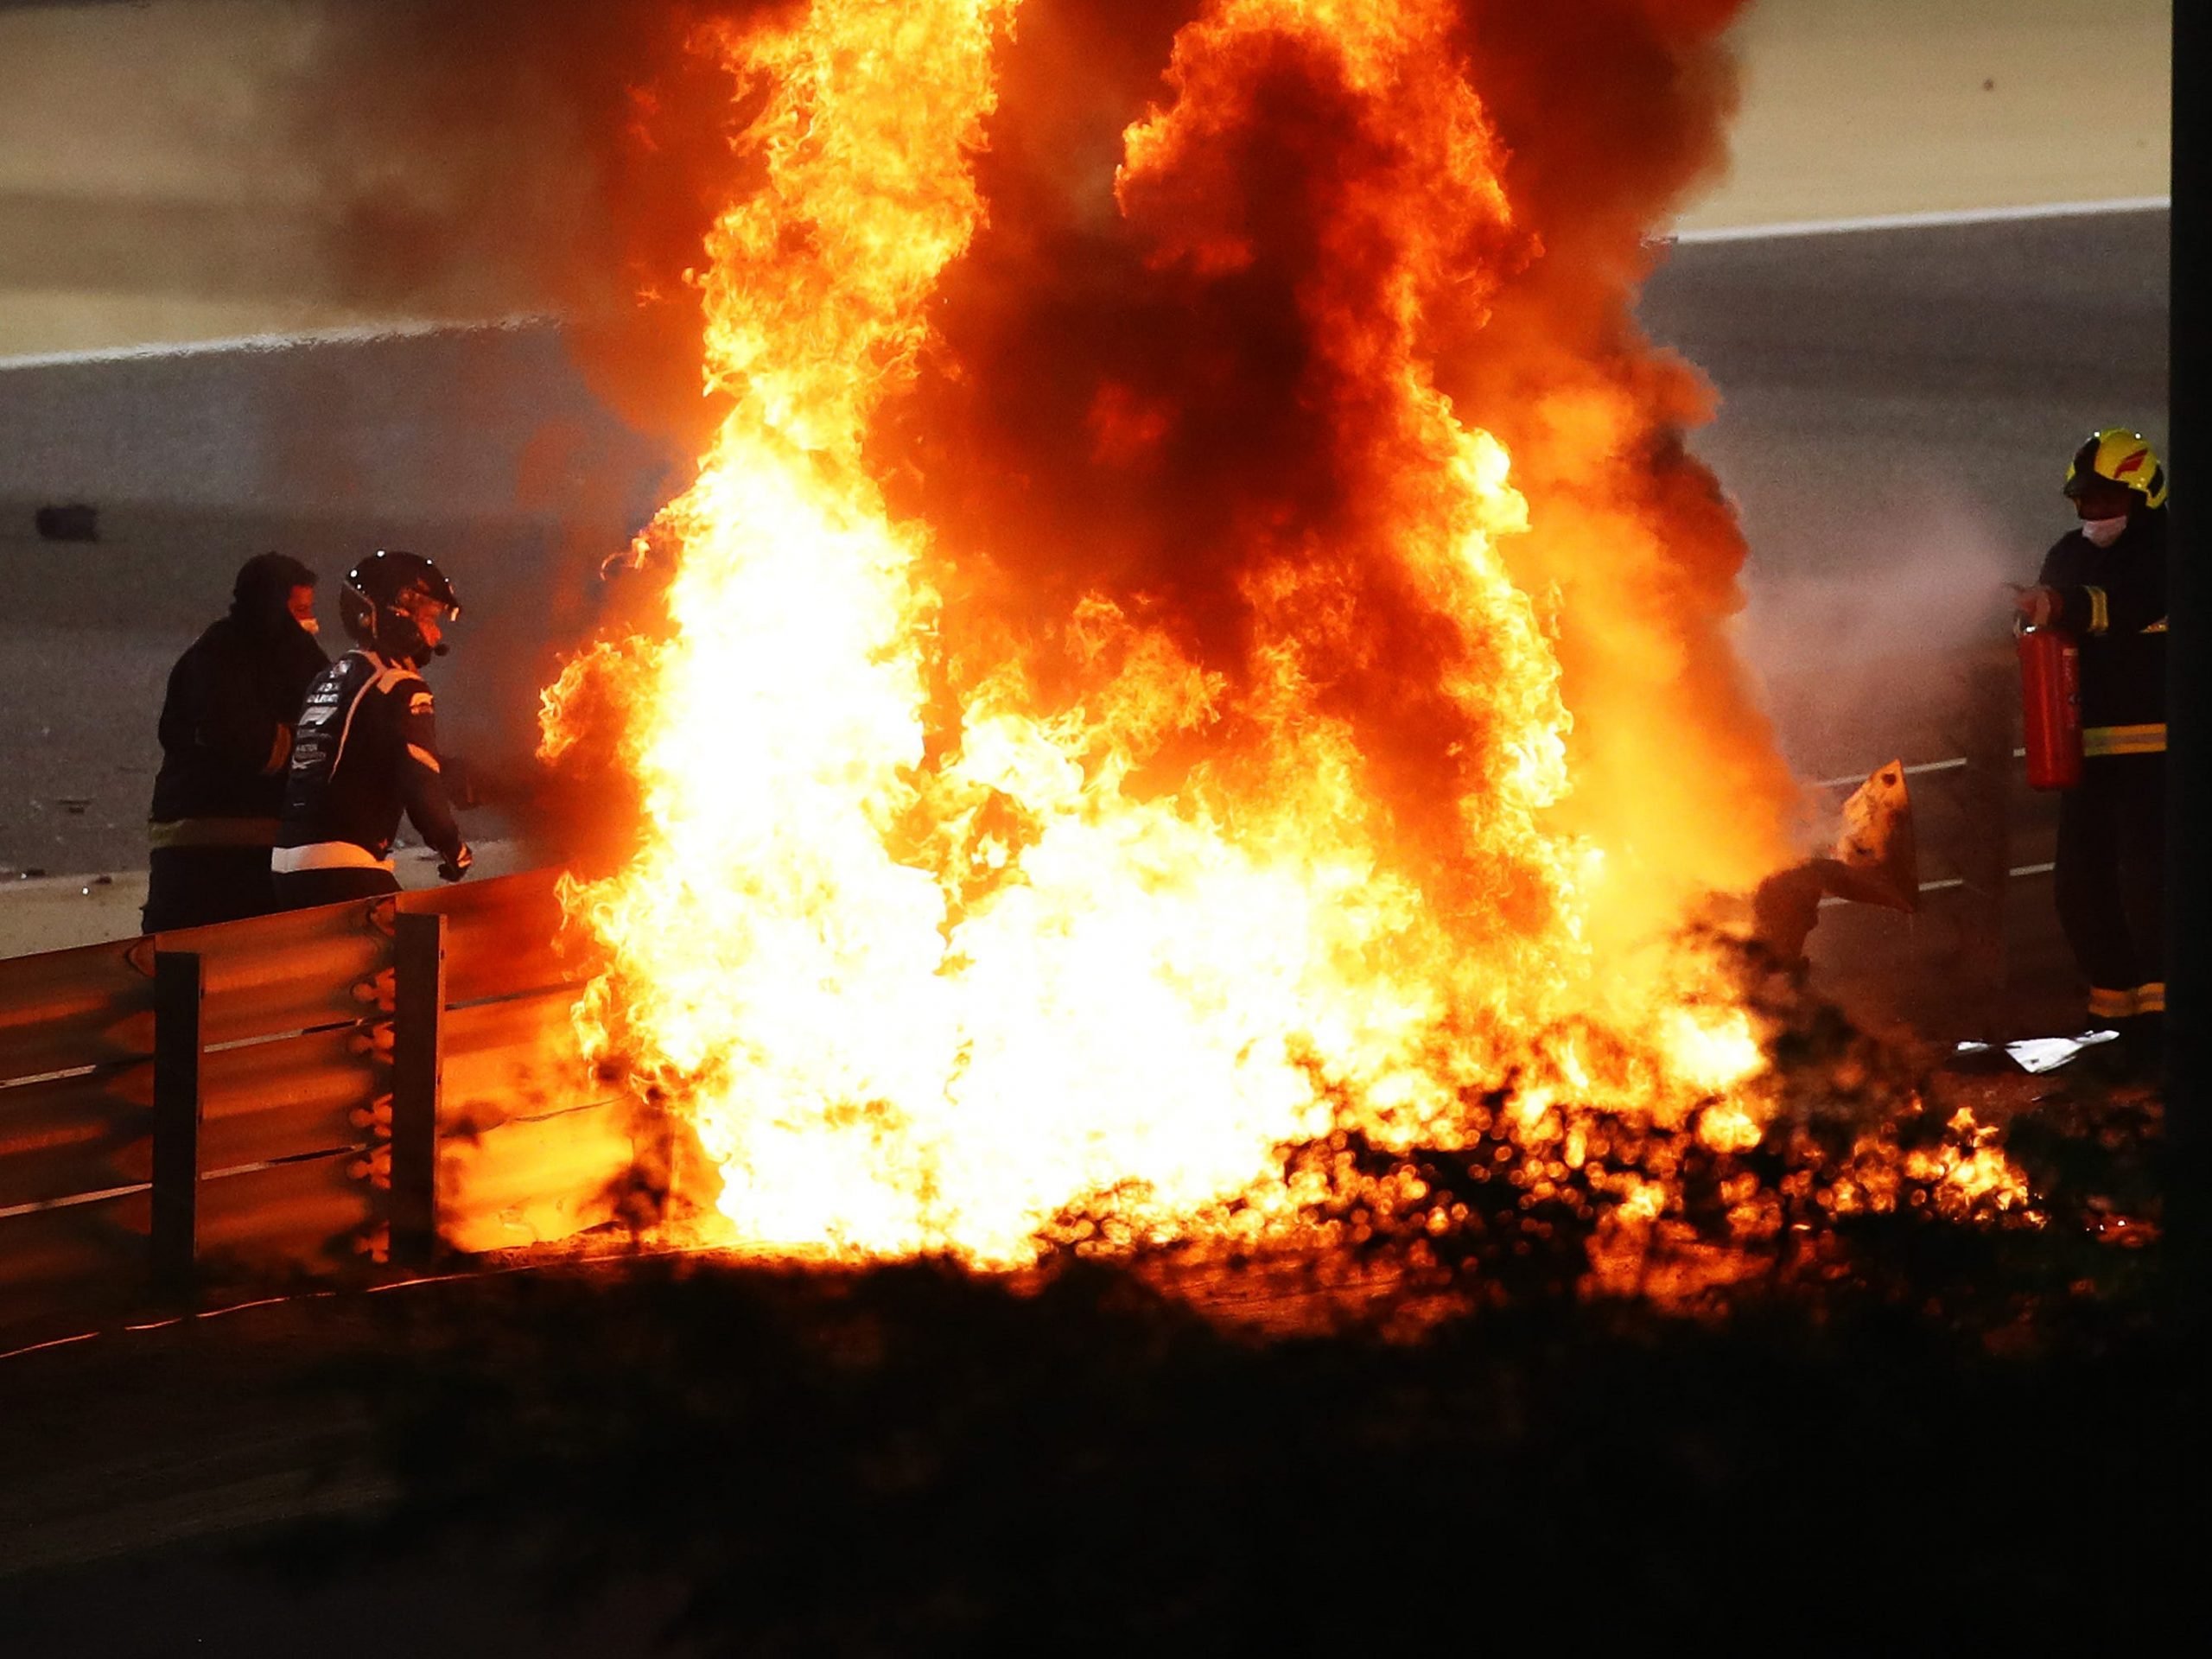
1897,410
1895,407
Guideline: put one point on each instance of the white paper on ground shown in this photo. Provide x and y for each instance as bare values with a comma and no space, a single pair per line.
2037,1054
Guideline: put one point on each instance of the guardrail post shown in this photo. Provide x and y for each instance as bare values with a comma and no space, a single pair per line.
1985,785
418,1056
180,983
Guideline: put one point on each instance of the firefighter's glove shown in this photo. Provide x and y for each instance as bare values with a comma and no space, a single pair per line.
453,868
2038,607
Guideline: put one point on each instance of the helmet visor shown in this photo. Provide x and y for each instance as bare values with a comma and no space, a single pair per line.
2082,472
420,605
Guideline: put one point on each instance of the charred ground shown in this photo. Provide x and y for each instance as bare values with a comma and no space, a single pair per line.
1920,1430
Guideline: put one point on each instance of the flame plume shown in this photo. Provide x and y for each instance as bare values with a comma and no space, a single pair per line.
996,867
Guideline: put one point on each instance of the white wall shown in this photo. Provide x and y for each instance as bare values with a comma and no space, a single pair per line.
151,189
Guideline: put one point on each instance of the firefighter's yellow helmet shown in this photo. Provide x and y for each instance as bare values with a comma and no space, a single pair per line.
2122,455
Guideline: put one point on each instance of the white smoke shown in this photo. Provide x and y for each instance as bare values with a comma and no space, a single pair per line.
1861,659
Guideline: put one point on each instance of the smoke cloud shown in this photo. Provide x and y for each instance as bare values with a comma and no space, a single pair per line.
1163,393
1149,376
1861,670
557,156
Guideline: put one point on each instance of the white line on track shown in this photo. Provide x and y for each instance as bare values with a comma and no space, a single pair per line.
1924,221
363,334
368,332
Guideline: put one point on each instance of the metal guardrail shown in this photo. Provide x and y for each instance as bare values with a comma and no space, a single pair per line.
318,1093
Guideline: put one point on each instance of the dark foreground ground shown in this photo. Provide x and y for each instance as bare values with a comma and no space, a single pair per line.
1914,1433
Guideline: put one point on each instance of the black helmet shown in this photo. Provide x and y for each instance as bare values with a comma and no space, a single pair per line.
381,600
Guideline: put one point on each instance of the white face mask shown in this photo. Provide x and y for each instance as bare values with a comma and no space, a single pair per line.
2103,532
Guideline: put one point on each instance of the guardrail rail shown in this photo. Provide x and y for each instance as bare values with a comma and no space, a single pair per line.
324,1091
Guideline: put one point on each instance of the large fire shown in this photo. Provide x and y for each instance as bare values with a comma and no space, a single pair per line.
1001,863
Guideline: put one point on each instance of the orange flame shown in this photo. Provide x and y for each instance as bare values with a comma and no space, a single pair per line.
938,930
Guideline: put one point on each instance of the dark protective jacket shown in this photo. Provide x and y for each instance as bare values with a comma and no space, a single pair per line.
226,730
366,750
2112,600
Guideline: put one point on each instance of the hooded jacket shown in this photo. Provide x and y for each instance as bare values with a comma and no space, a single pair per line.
228,713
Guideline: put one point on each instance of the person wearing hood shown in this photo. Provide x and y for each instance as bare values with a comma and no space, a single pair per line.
227,718
2105,583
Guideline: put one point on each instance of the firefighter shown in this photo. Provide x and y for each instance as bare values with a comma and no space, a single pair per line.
226,737
366,749
2105,582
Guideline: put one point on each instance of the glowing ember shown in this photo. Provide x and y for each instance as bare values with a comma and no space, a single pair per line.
948,921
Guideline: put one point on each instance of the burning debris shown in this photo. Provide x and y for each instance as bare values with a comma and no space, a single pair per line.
1193,709
1874,861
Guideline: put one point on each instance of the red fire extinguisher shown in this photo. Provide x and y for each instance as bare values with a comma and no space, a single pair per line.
2050,694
